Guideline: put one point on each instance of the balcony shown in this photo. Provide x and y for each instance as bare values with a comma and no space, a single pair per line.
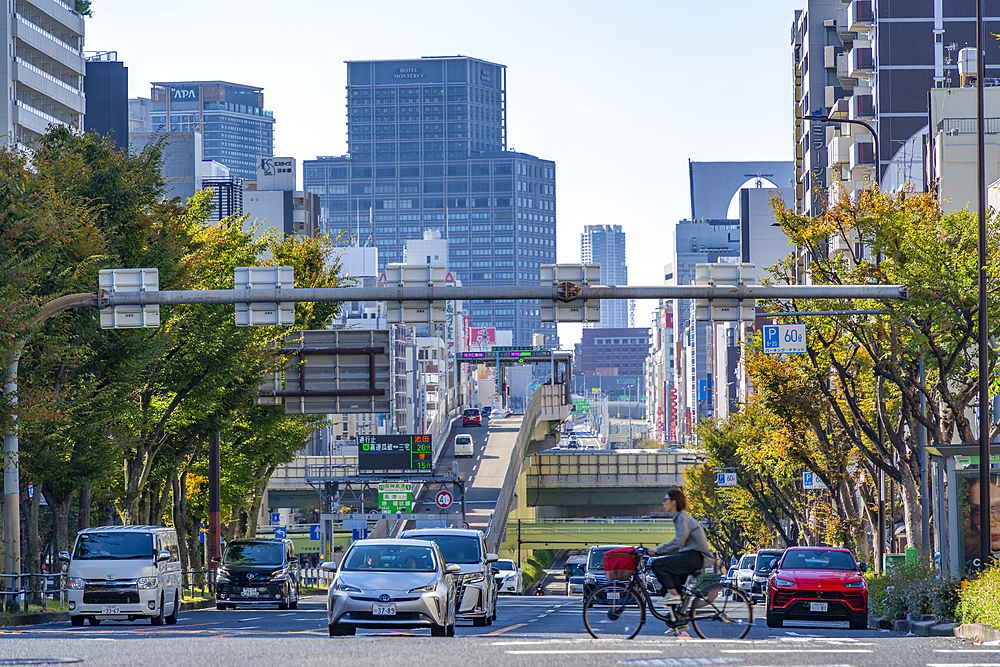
839,151
47,85
860,17
862,162
862,107
45,42
833,93
860,62
844,72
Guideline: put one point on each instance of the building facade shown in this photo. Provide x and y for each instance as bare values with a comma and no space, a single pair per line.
605,245
106,88
428,151
44,69
236,129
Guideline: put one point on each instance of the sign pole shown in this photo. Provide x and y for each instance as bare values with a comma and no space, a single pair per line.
214,500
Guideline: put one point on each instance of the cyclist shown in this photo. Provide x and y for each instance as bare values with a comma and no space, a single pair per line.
686,553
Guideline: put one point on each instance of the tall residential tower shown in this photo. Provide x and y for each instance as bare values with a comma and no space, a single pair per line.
605,245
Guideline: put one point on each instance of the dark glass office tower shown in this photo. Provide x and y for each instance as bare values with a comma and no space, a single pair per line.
236,129
428,150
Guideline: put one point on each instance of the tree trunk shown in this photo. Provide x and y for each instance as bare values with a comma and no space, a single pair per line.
179,507
83,520
911,508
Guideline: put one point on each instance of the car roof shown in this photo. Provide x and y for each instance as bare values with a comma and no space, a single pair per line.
818,549
468,532
125,529
770,551
397,541
611,546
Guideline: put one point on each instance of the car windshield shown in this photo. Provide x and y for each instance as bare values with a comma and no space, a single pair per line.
576,580
732,571
389,558
254,553
818,560
766,561
472,413
502,565
114,546
748,562
463,441
456,548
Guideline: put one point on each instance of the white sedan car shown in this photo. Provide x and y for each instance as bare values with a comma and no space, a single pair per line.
509,577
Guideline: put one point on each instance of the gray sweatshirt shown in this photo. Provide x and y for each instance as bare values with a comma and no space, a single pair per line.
689,535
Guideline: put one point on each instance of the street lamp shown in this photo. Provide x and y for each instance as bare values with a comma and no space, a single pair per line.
819,117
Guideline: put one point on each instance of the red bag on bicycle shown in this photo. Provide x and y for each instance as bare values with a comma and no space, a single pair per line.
619,564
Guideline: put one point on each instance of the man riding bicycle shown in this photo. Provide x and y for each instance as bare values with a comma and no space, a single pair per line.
685,554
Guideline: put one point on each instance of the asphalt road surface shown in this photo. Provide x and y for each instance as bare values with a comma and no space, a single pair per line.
544,630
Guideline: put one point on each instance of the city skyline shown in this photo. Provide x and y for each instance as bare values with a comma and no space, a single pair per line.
619,99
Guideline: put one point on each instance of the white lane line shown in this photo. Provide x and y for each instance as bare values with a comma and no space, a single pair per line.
291,613
967,650
96,639
963,664
252,618
575,652
800,650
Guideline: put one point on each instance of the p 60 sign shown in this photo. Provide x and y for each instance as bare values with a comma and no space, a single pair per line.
784,338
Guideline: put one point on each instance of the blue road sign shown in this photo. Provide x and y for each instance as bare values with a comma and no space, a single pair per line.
280,533
725,479
275,517
314,532
784,339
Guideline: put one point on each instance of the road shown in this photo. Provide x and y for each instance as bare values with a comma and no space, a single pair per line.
546,630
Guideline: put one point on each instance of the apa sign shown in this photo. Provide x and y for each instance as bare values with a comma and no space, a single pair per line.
184,94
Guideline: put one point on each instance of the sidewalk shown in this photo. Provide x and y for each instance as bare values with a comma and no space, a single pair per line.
57,616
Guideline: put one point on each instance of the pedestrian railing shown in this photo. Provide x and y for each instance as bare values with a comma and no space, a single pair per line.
43,589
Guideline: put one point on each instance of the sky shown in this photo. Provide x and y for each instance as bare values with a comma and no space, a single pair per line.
620,95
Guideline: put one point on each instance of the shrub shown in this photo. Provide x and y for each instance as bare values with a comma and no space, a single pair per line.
911,588
979,600
534,567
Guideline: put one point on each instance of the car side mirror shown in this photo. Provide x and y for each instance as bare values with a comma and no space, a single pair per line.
216,559
492,558
453,569
329,566
64,556
862,567
162,556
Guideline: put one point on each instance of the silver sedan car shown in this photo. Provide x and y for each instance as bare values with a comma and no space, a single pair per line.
393,583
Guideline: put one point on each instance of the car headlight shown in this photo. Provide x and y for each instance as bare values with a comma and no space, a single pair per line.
145,583
424,589
783,582
221,576
473,577
77,584
860,583
278,575
347,587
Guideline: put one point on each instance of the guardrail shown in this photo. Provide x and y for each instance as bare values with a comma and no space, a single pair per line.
35,588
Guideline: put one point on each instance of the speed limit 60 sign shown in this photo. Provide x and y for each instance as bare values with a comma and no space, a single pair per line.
784,338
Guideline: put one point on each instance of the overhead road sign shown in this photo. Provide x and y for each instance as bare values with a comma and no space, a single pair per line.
395,497
783,338
432,278
567,280
344,371
395,452
725,309
142,281
279,279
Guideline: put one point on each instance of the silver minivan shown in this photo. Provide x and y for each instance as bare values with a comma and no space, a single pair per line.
124,573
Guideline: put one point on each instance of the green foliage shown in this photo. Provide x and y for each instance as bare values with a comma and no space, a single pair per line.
534,566
912,588
980,599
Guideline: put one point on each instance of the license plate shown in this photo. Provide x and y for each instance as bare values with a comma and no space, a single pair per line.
817,606
250,592
108,609
383,610
613,595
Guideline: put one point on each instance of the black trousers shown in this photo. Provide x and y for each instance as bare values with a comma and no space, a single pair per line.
673,570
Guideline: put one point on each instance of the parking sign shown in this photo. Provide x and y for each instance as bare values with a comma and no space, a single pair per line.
725,479
810,482
783,339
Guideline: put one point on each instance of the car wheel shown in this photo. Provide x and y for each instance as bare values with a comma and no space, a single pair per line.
282,605
774,621
859,622
439,631
77,621
158,619
341,630
220,606
172,619
451,630
93,621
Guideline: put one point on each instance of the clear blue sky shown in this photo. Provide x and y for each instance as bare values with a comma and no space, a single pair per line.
620,95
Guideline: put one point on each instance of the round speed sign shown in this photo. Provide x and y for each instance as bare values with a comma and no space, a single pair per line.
443,499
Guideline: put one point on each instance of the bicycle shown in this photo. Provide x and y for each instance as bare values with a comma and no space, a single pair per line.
617,610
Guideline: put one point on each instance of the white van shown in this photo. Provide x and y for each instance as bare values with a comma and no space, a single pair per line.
123,573
464,445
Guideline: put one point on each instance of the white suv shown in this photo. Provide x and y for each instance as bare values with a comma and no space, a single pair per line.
476,590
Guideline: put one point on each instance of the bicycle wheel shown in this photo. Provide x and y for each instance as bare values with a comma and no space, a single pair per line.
614,611
721,611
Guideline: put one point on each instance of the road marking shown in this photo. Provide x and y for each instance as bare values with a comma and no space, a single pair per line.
800,650
97,639
582,651
291,613
252,618
966,650
963,664
503,630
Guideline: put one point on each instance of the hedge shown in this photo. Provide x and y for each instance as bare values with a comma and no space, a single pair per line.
912,588
980,599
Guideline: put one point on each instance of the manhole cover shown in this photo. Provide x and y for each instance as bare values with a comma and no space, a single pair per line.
680,661
38,661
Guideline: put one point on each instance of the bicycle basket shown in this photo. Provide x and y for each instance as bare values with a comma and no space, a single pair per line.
619,564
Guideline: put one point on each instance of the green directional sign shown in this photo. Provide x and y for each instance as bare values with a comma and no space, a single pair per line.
581,405
395,497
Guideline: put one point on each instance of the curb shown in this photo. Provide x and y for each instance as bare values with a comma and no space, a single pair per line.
58,616
980,631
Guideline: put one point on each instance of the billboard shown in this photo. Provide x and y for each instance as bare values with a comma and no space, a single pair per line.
970,518
481,337
403,453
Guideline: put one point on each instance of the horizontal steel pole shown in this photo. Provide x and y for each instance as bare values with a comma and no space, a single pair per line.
494,293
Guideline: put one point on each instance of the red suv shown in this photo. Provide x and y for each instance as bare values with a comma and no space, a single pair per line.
472,417
817,584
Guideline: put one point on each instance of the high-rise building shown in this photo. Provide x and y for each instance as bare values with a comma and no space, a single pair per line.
428,152
106,87
886,57
236,129
44,69
605,245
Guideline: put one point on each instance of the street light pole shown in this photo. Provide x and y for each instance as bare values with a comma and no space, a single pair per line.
986,516
853,121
